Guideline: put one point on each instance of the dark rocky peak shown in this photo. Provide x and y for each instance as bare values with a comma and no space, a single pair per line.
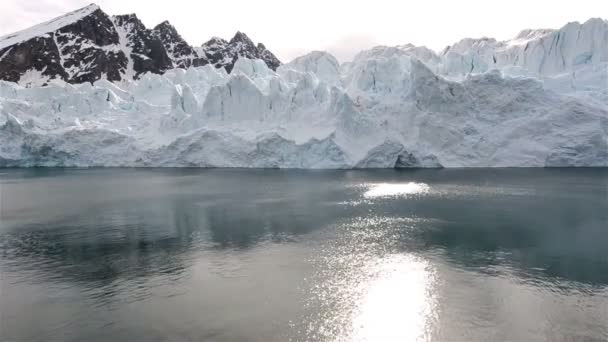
95,27
147,51
240,37
167,32
89,50
215,43
130,21
270,59
166,27
79,46
87,45
50,26
224,54
214,51
182,54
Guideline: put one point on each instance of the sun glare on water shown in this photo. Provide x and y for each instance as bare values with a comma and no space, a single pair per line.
396,303
396,189
373,291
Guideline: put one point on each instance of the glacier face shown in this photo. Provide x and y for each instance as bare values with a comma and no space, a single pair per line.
538,100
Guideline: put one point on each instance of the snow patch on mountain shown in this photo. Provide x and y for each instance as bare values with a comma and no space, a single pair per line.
48,27
224,54
88,45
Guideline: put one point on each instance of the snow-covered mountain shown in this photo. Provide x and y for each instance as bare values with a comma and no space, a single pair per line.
87,45
182,54
538,100
222,53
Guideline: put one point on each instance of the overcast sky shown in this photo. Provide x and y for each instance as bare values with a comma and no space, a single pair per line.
343,27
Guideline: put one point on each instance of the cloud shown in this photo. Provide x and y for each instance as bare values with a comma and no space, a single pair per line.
345,48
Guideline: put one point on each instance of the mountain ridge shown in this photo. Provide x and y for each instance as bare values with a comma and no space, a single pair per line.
87,44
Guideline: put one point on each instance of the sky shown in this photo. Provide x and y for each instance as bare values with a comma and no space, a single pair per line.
342,27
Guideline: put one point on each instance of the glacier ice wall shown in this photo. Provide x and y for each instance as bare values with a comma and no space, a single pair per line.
538,100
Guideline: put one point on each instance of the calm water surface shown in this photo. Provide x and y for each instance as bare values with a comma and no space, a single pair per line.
269,255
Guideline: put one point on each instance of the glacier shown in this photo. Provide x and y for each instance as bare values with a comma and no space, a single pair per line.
538,100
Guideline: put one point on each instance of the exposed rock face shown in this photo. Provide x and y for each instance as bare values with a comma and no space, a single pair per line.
87,45
40,53
89,49
222,53
82,46
182,54
268,57
147,51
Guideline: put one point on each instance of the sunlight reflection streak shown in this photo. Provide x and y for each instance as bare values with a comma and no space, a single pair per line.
395,189
396,303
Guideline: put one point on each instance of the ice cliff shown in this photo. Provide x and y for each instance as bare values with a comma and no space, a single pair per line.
538,100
